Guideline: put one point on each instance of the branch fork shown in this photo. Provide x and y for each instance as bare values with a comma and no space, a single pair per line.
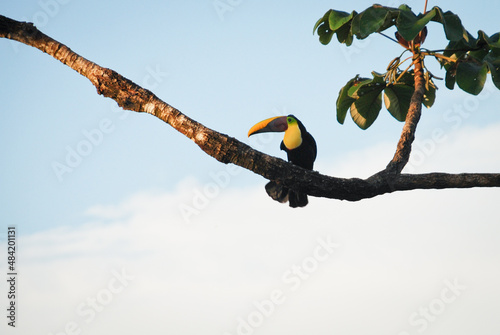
227,149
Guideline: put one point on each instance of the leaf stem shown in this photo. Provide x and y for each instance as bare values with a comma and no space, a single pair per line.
386,36
452,50
409,66
437,55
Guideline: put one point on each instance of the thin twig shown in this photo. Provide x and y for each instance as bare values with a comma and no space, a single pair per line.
409,66
386,36
439,56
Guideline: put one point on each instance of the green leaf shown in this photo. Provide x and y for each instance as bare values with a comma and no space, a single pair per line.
397,100
482,38
404,7
408,78
322,19
355,26
337,19
390,19
335,22
493,63
363,97
479,54
364,85
430,96
365,109
344,101
471,76
353,91
325,34
453,28
326,38
344,34
459,48
449,79
370,20
494,41
409,25
488,43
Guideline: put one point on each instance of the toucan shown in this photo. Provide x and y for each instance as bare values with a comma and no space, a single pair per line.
301,150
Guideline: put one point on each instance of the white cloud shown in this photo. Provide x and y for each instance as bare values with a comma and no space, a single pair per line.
468,150
206,276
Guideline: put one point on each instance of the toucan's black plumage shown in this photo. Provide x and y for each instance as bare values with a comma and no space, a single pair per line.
301,150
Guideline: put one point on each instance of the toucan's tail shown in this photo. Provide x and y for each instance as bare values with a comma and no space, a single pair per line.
283,194
296,199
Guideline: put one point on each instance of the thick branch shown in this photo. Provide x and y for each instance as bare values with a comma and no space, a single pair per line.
403,150
229,150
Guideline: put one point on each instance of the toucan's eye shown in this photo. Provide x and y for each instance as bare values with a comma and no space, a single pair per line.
289,120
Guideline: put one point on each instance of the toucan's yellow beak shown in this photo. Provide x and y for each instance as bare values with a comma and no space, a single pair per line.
273,124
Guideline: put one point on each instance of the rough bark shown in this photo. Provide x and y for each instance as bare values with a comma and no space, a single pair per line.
227,149
403,149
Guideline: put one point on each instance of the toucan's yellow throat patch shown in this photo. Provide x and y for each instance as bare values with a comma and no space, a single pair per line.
293,136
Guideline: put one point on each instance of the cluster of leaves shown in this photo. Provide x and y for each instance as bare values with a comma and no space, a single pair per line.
470,59
466,60
378,18
363,97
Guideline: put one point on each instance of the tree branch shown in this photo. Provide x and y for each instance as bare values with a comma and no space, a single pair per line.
227,149
403,150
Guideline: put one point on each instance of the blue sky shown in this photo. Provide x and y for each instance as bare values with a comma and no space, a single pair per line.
120,207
